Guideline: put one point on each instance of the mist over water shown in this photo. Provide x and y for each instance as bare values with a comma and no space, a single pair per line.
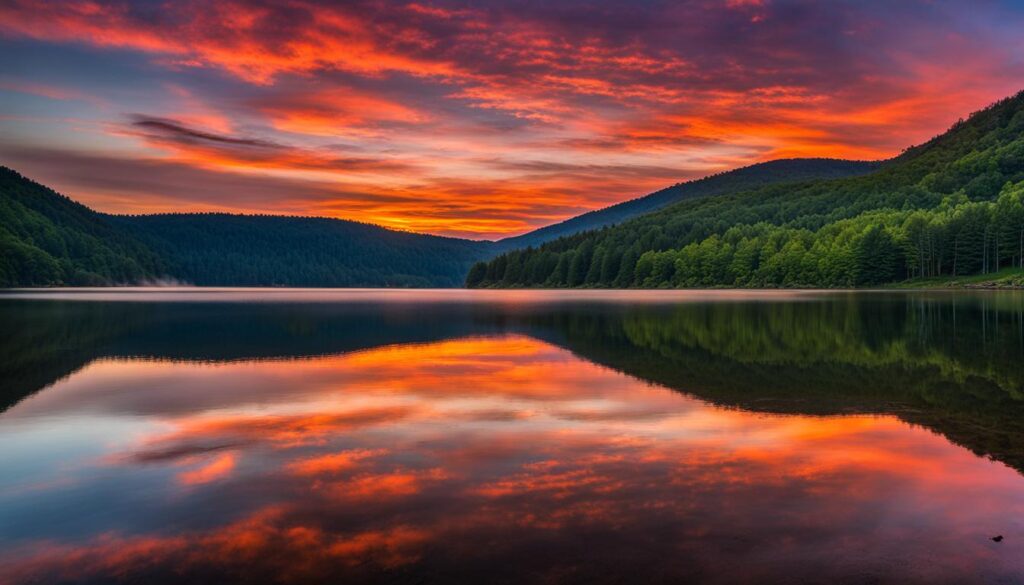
170,435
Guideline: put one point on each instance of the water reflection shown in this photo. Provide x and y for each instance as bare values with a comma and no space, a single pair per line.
807,437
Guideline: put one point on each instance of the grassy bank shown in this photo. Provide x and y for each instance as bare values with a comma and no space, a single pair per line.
1006,278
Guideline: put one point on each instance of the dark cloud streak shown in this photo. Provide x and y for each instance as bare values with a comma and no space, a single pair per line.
486,107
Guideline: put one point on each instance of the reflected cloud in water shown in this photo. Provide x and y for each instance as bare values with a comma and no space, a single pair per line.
543,444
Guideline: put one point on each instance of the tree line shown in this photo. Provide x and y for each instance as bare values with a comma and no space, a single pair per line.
46,239
952,206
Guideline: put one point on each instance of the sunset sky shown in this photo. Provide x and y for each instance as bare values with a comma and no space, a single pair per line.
477,120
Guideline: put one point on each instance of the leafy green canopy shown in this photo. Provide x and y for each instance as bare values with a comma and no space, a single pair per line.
952,206
47,239
741,179
247,250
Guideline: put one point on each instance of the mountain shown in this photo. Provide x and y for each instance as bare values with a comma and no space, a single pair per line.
952,206
949,363
212,249
47,239
741,179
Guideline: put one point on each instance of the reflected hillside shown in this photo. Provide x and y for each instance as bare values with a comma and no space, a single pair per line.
45,341
948,361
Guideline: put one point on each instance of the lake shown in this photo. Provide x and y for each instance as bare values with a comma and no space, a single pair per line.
366,436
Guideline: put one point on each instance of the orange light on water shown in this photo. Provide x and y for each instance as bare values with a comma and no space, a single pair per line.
384,453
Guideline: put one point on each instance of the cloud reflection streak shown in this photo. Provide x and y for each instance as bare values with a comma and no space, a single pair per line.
453,457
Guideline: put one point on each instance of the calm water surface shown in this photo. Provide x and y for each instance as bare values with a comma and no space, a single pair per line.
154,436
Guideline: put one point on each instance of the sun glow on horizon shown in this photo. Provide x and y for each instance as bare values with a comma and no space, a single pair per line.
475,120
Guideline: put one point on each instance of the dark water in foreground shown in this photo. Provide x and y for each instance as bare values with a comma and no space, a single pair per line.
511,437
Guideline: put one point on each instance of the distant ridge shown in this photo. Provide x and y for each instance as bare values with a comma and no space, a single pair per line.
791,170
47,239
953,206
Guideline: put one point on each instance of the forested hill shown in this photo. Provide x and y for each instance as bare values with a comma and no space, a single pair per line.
47,239
952,206
741,179
264,250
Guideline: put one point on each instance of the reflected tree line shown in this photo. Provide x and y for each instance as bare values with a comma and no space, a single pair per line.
949,362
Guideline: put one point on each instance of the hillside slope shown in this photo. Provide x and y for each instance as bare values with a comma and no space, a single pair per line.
215,249
741,179
47,239
954,205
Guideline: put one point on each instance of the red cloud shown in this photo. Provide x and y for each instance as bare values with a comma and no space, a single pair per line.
431,116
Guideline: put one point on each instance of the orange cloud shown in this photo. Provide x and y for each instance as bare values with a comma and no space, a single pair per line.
226,35
281,431
337,112
219,468
479,120
379,486
333,462
249,545
391,461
